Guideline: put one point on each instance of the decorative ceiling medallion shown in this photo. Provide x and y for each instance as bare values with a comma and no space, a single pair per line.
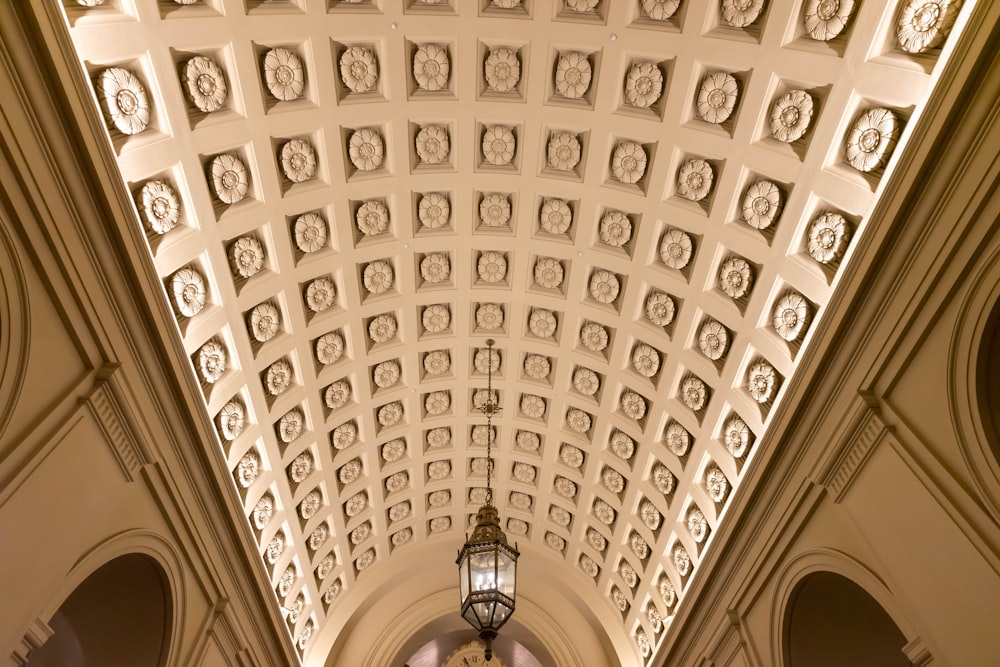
791,314
300,468
286,581
125,100
594,337
713,340
356,504
435,268
643,85
660,308
366,149
397,481
638,545
372,218
548,273
337,395
434,210
604,512
526,441
365,560
401,537
604,286
275,548
761,380
922,24
230,178
160,206
400,511
621,444
563,151
325,567
536,367
290,425
310,232
615,229
284,75
247,256
564,487
682,561
573,74
498,145
310,505
716,483
582,6
248,469
502,70
645,360
263,511
650,515
642,641
487,361
494,210
676,248
329,348
660,10
318,537
828,235
556,217
586,381
871,139
717,97
390,414
431,67
524,473
386,374
571,456
359,69
205,84
533,406
432,144
613,481
697,524
628,162
667,592
231,419
741,13
578,420
378,277
694,179
761,204
189,290
344,436
542,323
212,361
790,115
298,160
737,437
438,437
663,479
825,19
735,277
633,405
393,450
492,267
436,318
320,294
694,393
440,524
437,403
489,316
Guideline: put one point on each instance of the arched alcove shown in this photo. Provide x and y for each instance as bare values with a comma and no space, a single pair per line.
831,621
988,380
119,615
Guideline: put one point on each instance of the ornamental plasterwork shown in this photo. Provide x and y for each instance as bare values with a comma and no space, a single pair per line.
633,405
676,248
278,377
161,209
761,381
697,524
437,403
563,151
386,374
494,210
337,394
628,574
433,144
667,593
761,204
344,435
615,229
329,348
578,420
536,366
713,339
542,323
735,277
435,268
440,524
492,266
438,438
359,69
694,179
828,236
642,641
400,511
923,24
791,115
573,75
565,487
717,97
526,441
310,505
298,160
596,540
619,599
582,6
499,145
659,308
300,467
621,444
125,100
246,256
390,414
290,425
533,406
638,545
548,273
737,436
825,19
231,420
645,360
716,483
248,469
189,291
263,511
372,218
604,512
871,139
555,216
205,84
643,84
502,70
594,337
682,561
694,393
741,13
431,67
588,566
489,316
650,515
366,149
586,381
613,480
663,479
212,361
605,286
310,232
571,456
321,294
318,537
230,178
628,162
284,74
378,277
555,542
436,318
791,313
434,210
660,10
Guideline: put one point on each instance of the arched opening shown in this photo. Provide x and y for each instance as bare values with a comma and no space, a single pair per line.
832,622
119,615
988,381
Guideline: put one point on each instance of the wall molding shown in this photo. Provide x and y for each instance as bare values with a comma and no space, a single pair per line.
106,405
859,448
34,637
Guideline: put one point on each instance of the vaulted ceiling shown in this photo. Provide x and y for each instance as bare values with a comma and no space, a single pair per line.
645,203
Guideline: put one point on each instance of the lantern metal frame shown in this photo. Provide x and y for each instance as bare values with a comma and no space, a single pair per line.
487,564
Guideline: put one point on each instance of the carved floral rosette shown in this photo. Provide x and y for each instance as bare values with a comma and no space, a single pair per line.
248,469
604,286
300,467
660,10
502,70
633,405
871,139
694,393
437,362
676,248
697,524
542,323
716,483
676,437
489,316
761,381
571,456
578,420
246,256
231,420
615,229
125,100
189,290
717,97
290,425
737,437
212,361
694,179
161,208
660,308
494,210
713,339
431,67
433,145
761,204
621,444
741,13
284,74
663,479
435,268
320,295
434,210
563,151
372,218
366,149
298,160
382,328
337,395
828,236
594,336
436,318
643,84
825,19
492,266
613,480
555,217
923,24
791,314
586,381
628,162
378,277
791,115
548,273
682,561
735,277
536,366
230,178
645,360
573,75
359,69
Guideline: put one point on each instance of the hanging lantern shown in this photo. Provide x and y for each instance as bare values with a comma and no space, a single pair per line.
487,565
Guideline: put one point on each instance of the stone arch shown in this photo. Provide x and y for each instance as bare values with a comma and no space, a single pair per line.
812,574
974,381
14,328
121,604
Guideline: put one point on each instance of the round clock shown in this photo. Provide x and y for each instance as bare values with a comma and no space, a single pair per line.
471,655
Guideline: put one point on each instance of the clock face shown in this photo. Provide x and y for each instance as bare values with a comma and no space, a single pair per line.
471,655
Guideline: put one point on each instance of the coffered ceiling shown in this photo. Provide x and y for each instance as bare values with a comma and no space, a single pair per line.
646,204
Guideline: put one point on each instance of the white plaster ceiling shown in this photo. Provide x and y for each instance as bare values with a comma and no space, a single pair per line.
617,427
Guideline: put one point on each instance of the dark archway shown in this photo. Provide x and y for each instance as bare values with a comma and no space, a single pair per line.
833,622
119,615
988,381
